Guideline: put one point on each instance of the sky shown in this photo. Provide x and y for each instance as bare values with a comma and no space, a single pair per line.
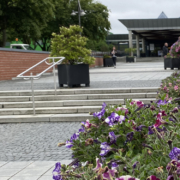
139,9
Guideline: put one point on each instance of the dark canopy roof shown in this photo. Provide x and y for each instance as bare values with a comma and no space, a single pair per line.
151,24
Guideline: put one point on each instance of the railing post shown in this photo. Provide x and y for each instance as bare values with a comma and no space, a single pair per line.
32,88
54,70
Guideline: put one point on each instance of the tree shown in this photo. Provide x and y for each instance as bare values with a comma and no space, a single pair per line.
95,23
25,19
70,44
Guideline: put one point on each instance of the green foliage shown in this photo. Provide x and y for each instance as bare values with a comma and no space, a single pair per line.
168,56
170,87
106,56
71,45
130,51
151,151
99,46
25,19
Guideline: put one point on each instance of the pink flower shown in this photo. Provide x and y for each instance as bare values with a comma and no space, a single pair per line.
138,103
175,88
170,84
153,178
158,123
98,165
122,109
133,124
87,124
165,88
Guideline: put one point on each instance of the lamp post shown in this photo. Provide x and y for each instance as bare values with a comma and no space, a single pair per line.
80,12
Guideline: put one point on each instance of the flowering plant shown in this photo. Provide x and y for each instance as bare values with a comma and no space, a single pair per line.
170,88
136,142
175,49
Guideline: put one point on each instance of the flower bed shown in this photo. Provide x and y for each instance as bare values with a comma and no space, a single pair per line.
137,142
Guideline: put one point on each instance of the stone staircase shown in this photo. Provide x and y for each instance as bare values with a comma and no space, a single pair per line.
67,105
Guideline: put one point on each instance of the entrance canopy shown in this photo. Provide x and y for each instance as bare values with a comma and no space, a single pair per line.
154,29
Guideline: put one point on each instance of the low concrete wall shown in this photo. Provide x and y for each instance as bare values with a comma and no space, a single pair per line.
14,62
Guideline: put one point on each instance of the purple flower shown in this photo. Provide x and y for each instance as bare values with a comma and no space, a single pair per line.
108,175
112,137
82,129
69,144
161,102
139,128
170,177
150,130
105,148
100,114
114,118
104,105
175,154
129,136
175,110
135,164
74,136
114,165
171,119
57,172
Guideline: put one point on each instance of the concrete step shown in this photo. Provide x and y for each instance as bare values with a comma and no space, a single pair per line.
79,91
77,97
76,114
45,118
58,110
28,104
50,110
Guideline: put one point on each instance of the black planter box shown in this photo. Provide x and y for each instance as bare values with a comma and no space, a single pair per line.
108,62
172,63
129,59
73,75
143,54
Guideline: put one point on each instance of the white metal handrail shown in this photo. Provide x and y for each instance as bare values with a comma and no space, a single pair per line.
51,65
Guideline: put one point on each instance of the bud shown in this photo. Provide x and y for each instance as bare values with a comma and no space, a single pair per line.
61,144
159,169
170,144
175,110
153,108
89,141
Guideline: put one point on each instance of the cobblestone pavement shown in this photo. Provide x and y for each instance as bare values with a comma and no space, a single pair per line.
35,141
141,74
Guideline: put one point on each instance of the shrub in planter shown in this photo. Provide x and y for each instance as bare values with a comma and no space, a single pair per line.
71,45
141,140
130,51
107,60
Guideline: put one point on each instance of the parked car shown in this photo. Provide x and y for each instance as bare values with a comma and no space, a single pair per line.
21,46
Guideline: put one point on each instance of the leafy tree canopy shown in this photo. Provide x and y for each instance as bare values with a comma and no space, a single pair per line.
37,20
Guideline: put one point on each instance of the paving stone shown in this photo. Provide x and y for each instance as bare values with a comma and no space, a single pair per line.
40,139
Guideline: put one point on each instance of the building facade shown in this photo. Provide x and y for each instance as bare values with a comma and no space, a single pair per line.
147,35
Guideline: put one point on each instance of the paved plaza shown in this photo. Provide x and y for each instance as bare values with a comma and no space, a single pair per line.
139,74
26,147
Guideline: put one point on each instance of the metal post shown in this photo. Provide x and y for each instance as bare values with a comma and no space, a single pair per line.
32,88
79,13
54,78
